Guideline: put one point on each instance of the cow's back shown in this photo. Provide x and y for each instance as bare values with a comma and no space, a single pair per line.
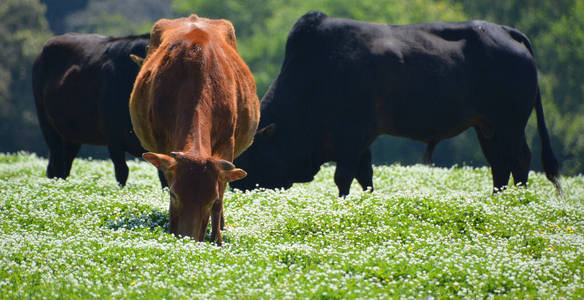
442,78
405,77
166,93
82,83
66,81
197,83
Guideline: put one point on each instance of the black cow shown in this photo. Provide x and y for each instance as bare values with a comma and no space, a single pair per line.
344,82
82,84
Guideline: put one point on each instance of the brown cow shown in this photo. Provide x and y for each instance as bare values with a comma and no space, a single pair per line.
194,106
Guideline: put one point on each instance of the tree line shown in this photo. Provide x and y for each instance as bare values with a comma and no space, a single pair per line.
556,29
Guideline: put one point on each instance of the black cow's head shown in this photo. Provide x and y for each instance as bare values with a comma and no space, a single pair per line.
265,162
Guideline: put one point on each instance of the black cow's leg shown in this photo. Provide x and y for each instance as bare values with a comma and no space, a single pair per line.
344,175
163,182
118,157
137,151
365,171
55,166
69,153
497,152
428,153
55,145
520,169
501,173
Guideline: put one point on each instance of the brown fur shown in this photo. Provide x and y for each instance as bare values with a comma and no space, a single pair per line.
194,105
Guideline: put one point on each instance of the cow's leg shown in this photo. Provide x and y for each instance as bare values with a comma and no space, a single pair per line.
353,157
428,154
132,146
498,152
216,218
344,174
54,143
118,157
69,153
520,169
162,179
55,166
365,171
219,215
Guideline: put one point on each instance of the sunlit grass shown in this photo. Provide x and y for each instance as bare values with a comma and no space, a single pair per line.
422,232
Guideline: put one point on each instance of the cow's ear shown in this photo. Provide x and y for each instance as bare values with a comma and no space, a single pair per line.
232,175
137,60
266,131
161,161
228,172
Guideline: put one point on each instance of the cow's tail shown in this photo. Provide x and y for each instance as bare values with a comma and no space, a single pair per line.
548,159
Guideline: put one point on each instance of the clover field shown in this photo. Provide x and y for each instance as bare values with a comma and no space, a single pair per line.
424,232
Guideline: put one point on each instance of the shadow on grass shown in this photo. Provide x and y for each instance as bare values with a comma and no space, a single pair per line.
153,220
156,220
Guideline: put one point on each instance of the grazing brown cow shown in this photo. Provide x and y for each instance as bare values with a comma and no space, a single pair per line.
194,106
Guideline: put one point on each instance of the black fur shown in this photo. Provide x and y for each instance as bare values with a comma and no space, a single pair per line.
82,84
344,82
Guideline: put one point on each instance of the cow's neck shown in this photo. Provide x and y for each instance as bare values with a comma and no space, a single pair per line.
196,137
306,159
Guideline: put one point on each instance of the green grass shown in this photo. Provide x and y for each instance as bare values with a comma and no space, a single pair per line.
423,232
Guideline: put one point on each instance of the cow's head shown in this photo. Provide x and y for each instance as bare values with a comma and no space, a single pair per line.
265,161
195,185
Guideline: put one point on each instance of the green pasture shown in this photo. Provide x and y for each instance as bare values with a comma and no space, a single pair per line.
424,232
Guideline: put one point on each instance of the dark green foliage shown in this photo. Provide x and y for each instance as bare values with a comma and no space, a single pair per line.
58,10
118,18
23,30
